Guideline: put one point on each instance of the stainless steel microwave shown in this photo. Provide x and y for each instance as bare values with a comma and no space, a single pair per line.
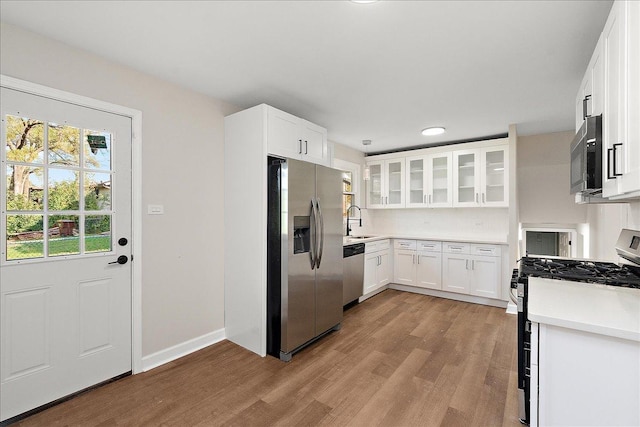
586,157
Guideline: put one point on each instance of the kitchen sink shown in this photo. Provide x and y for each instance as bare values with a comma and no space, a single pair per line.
360,237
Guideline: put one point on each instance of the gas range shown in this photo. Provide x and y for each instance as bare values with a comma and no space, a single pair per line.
605,273
575,270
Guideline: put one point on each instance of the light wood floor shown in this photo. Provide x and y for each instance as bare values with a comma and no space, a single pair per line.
400,359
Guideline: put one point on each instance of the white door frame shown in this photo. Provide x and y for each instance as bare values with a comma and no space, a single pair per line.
136,188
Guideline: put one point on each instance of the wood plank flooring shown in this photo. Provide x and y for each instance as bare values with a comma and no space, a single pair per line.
400,359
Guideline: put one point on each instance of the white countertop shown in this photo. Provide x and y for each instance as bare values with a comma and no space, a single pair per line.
349,240
607,310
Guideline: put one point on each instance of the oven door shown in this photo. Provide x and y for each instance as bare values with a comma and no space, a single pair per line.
579,161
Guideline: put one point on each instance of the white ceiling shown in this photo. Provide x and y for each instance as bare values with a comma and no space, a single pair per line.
381,71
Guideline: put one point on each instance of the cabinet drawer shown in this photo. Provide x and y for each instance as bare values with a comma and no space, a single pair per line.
379,245
429,246
487,250
455,248
404,244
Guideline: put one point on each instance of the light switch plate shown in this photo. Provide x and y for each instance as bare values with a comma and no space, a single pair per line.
155,209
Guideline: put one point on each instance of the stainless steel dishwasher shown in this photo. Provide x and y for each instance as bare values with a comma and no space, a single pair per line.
353,260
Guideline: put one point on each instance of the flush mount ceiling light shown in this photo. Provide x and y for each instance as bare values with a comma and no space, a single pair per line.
433,131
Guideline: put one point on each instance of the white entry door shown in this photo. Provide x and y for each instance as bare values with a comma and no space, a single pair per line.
65,320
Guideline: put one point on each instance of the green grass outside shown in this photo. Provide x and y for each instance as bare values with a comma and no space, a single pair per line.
61,246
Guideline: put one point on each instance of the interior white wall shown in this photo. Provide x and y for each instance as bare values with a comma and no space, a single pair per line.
544,164
183,147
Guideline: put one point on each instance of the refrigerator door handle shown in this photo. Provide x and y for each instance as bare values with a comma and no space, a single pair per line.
314,237
321,242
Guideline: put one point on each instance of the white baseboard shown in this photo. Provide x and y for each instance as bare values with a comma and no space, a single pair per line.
450,295
512,308
172,353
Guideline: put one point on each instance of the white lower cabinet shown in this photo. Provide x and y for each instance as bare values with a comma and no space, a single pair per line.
418,263
471,269
377,266
582,378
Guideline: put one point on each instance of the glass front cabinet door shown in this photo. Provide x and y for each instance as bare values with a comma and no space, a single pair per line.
439,191
385,188
375,185
494,170
466,178
416,182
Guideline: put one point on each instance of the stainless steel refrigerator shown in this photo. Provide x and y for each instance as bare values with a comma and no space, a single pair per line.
304,254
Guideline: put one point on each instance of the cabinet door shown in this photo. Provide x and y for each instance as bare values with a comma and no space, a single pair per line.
404,267
394,173
375,185
494,173
370,273
485,280
596,73
630,181
439,193
455,273
429,270
314,143
283,134
416,181
385,268
466,178
614,124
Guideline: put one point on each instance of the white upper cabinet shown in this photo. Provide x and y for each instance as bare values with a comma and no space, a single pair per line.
296,138
466,178
494,170
386,186
621,134
590,98
428,181
481,177
440,180
416,181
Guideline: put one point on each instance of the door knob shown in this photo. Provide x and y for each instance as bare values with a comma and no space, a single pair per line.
123,241
122,259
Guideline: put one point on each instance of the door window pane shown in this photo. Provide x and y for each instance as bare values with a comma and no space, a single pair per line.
97,150
64,145
24,236
61,206
24,188
97,191
25,139
63,235
64,190
97,230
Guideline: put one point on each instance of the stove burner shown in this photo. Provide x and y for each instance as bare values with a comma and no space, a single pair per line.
605,273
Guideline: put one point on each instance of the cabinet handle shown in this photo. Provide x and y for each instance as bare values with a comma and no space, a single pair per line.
429,198
466,264
306,147
615,163
482,197
476,197
418,257
584,106
609,153
299,146
424,198
379,259
386,200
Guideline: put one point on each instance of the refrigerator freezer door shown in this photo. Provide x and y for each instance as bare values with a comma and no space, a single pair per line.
298,278
329,273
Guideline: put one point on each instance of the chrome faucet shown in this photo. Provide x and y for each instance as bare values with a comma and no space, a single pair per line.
348,209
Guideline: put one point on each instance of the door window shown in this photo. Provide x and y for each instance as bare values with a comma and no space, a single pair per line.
58,189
